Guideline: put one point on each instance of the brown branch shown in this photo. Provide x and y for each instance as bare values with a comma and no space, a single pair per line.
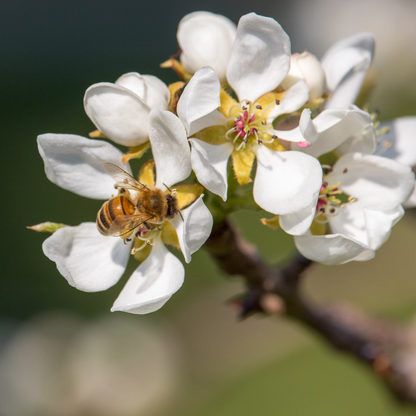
383,347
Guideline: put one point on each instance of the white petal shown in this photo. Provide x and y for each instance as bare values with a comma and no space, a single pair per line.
296,96
364,141
294,136
346,130
399,144
206,39
169,146
89,261
379,224
153,282
299,222
305,132
286,182
306,67
117,112
134,82
212,119
314,74
260,57
365,255
209,162
195,228
200,97
411,201
351,222
150,89
295,73
345,65
370,227
76,164
332,249
376,181
306,127
401,140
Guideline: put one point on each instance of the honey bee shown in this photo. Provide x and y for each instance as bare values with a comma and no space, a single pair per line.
135,204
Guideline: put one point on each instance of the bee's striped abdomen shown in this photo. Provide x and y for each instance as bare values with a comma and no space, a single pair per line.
119,205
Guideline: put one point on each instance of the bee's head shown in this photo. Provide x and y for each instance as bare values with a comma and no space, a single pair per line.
172,205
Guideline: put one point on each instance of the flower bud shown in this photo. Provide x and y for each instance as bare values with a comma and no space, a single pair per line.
149,88
306,67
206,39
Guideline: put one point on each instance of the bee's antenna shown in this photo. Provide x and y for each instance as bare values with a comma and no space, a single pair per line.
180,213
172,191
167,187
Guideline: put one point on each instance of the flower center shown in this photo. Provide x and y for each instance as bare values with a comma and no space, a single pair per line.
144,237
249,125
328,204
330,201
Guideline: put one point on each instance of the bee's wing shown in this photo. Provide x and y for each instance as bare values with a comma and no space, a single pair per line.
122,178
125,224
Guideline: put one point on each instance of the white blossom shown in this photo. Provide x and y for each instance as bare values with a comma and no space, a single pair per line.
285,182
376,187
93,262
121,110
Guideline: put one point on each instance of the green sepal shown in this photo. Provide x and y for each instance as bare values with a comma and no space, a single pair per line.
272,223
46,227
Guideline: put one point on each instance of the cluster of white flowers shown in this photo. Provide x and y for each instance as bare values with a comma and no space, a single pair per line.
335,178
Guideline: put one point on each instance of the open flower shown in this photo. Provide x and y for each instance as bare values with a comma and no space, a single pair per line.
93,262
121,110
338,130
285,182
360,200
253,59
207,39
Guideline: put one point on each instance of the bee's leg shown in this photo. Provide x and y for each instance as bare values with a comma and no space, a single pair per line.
151,227
127,240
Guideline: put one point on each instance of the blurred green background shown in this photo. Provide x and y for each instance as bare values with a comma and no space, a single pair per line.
194,354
